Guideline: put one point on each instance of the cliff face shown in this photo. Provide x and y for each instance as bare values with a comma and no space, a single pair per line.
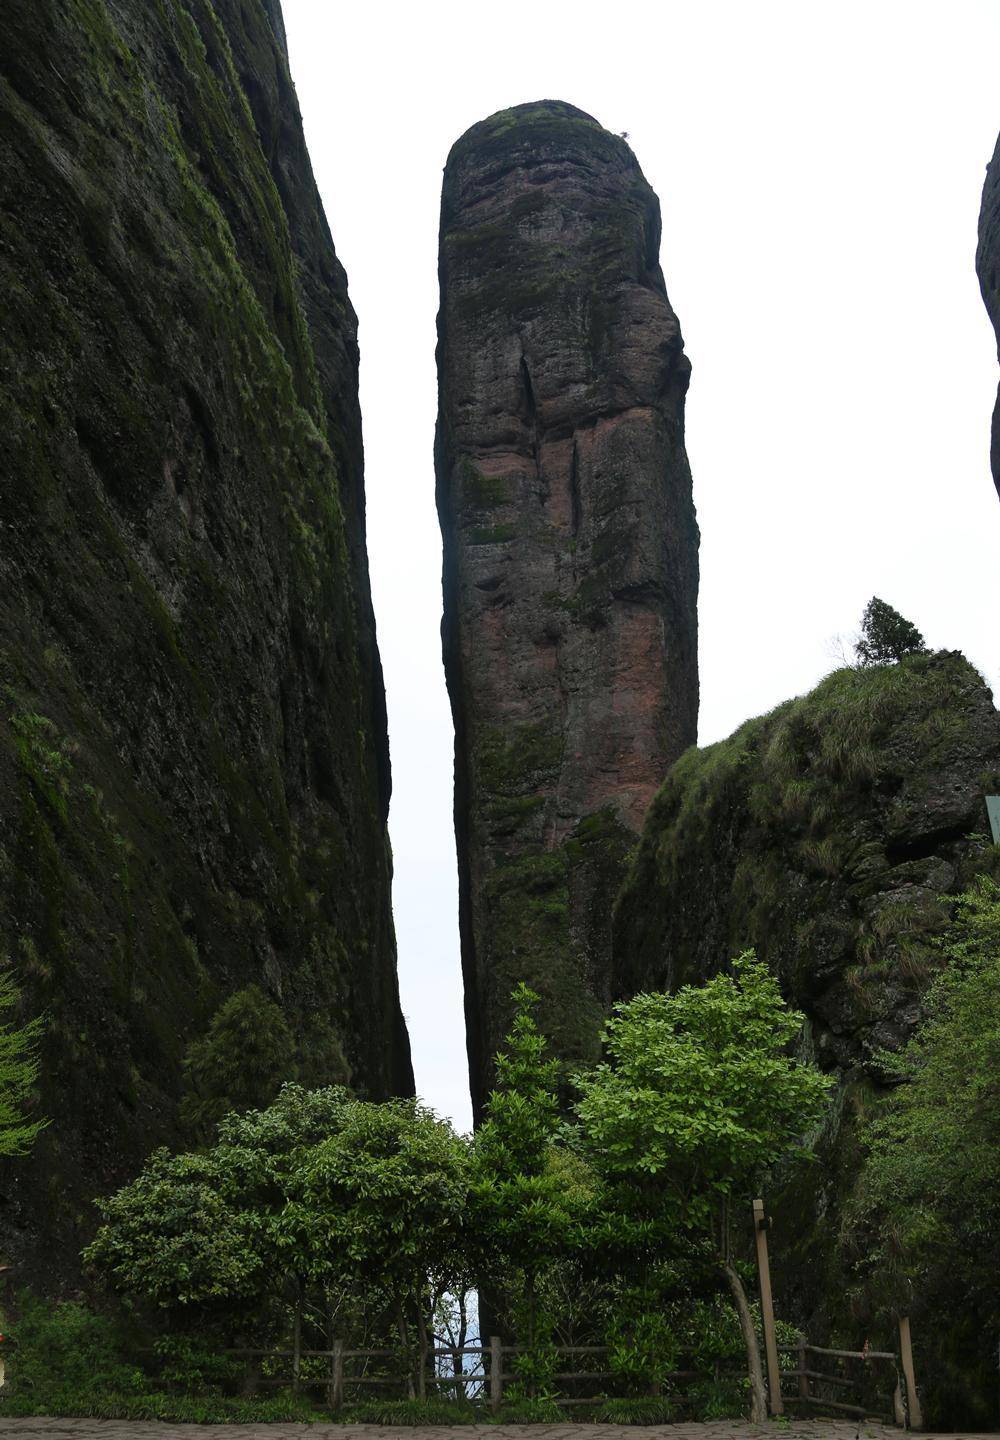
194,774
988,270
570,551
828,835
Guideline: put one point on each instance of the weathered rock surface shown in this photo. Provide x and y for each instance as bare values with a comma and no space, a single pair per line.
194,773
570,551
828,835
988,270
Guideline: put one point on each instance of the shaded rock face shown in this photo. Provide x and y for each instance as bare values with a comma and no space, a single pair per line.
194,774
988,270
828,835
570,552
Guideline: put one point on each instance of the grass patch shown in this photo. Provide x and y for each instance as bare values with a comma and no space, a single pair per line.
638,1410
410,1412
179,1409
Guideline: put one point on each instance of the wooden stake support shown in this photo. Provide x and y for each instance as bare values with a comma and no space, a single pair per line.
774,1402
337,1375
906,1355
803,1370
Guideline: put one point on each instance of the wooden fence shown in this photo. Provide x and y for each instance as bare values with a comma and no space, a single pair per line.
822,1378
818,1379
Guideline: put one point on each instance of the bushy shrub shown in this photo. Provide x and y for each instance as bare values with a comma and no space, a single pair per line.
195,1365
57,1350
178,1409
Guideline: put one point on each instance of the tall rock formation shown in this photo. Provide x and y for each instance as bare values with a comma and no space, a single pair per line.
194,774
828,835
570,552
988,270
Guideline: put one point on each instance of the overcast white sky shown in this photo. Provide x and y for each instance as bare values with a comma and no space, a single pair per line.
819,167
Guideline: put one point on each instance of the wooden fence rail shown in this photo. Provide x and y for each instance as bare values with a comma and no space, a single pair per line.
806,1377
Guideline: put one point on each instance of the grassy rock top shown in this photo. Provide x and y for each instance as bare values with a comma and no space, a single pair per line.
824,834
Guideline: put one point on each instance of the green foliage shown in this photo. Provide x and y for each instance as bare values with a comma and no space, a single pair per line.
698,1096
181,1234
356,1200
18,1073
241,1061
697,1099
154,1405
529,1195
195,1364
63,1359
924,1219
720,1398
886,636
59,1350
384,1195
642,1343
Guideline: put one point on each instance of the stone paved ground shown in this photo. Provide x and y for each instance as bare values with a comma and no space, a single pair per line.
39,1428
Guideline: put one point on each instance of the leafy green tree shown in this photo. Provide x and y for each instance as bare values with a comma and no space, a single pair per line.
18,1074
385,1196
530,1195
926,1215
698,1097
202,1231
318,1194
240,1062
886,636
178,1234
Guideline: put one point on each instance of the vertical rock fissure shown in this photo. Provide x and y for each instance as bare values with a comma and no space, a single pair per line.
576,509
570,630
532,417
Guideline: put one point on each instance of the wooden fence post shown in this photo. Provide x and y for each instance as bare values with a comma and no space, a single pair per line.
803,1377
496,1372
297,1342
906,1355
767,1311
335,1392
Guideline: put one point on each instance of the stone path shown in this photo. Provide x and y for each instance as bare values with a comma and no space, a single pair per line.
41,1428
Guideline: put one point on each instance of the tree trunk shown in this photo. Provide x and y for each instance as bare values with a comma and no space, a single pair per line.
297,1334
424,1349
758,1394
404,1340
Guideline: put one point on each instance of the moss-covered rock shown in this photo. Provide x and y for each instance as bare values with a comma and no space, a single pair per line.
828,834
193,758
570,553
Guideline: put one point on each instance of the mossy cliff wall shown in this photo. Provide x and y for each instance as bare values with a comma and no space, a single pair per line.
194,774
570,552
828,835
